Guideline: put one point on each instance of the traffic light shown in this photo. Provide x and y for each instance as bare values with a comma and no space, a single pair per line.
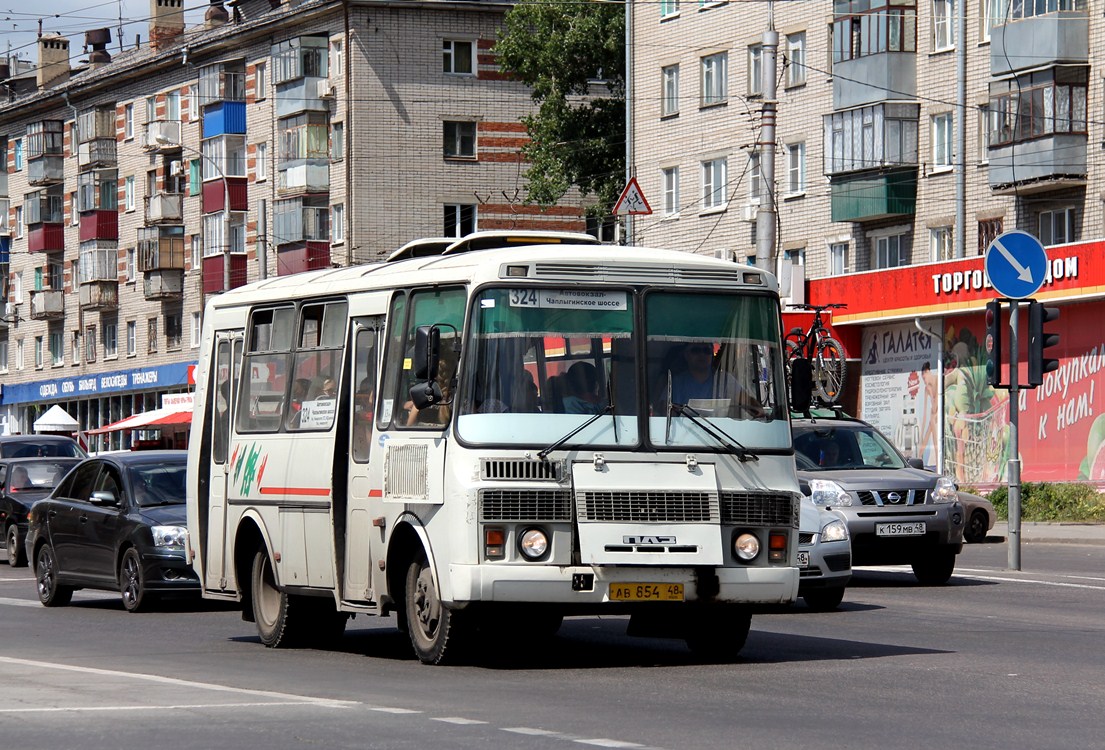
992,343
1040,315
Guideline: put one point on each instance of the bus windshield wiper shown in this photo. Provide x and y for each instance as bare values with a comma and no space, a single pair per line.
718,434
608,409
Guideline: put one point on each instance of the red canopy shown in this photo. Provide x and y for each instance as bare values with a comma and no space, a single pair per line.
154,419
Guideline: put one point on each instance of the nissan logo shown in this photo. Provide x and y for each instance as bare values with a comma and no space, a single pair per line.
893,498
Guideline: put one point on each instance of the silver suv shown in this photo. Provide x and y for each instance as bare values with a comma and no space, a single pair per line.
897,513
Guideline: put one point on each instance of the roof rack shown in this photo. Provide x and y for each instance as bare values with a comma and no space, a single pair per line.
421,248
818,411
497,239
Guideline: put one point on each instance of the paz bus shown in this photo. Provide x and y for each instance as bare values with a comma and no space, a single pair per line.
490,437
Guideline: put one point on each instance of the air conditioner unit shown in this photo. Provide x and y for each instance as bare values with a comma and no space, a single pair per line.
749,211
326,89
175,167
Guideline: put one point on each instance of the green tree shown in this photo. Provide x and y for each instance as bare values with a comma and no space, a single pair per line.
577,136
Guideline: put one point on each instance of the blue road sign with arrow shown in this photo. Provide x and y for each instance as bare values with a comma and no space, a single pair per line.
1016,263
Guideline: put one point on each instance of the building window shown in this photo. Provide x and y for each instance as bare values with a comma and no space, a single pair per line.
197,329
55,271
942,140
715,78
796,168
713,183
460,219
755,179
18,222
988,231
668,8
983,133
994,13
128,194
111,339
941,241
459,139
838,258
18,154
38,352
260,80
796,59
262,168
1039,104
1039,8
76,347
337,223
670,178
197,250
755,70
669,90
457,57
172,106
214,227
943,29
57,348
128,121
151,335
337,57
337,141
4,354
174,330
873,27
151,108
1057,226
892,251
131,270
19,354
90,344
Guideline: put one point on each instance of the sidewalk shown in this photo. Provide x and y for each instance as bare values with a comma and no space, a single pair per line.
1052,533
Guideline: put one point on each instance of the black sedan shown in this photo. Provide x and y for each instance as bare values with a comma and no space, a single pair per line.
23,482
116,522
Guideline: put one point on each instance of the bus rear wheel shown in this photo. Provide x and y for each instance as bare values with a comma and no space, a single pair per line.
282,619
434,629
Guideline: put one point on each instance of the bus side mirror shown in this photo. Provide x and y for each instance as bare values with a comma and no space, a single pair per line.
427,352
801,385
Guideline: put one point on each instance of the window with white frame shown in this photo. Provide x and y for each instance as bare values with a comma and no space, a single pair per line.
337,141
458,139
17,152
337,57
90,343
796,59
111,338
197,250
131,265
459,219
38,352
337,223
838,258
197,330
796,167
128,121
151,108
260,80
458,57
76,351
262,162
4,353
755,69
128,193
151,335
755,178
172,105
715,78
713,183
19,354
17,292
668,8
214,226
174,329
132,338
670,179
57,348
669,90
940,240
983,133
18,221
1057,226
891,250
942,140
994,13
943,29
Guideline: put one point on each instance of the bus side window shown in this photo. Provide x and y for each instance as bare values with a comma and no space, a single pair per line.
221,412
364,394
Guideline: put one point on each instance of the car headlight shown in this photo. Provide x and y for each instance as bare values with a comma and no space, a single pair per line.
945,491
828,493
169,536
834,531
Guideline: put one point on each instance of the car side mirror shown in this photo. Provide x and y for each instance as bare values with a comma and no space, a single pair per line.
915,463
102,497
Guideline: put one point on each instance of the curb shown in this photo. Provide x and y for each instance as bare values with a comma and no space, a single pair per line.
1051,533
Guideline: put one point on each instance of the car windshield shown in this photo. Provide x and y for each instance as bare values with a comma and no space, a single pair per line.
158,484
540,363
34,449
42,475
827,447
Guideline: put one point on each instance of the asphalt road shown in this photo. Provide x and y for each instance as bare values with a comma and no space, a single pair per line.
996,659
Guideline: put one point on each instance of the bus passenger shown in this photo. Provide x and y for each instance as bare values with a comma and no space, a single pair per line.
583,389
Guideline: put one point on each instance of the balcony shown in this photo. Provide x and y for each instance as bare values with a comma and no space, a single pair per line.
46,238
224,118
303,176
160,248
1055,162
302,95
99,225
46,170
874,78
163,285
213,272
1037,41
162,135
47,304
213,192
302,256
874,195
96,153
165,208
99,295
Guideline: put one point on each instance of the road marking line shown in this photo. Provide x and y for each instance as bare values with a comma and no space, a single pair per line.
13,580
19,602
171,681
608,743
532,731
187,706
389,710
984,575
456,720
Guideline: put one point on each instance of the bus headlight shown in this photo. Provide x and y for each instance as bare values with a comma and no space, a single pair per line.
746,546
533,544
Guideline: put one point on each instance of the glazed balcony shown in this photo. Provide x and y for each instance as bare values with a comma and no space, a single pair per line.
47,304
165,208
98,153
46,170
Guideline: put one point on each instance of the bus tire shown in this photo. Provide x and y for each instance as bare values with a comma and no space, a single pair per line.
718,635
433,628
282,619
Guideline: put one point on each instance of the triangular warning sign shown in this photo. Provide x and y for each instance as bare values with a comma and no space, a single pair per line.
632,200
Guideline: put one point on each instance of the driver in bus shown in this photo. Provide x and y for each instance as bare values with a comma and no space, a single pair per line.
701,380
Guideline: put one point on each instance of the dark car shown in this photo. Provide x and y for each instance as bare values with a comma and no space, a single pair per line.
28,446
23,482
116,522
897,512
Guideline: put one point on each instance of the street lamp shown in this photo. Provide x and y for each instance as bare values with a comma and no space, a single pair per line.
163,140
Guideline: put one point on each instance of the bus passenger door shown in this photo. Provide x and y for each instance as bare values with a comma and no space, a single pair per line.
365,472
221,400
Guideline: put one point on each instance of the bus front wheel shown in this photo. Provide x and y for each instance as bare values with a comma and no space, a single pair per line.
433,628
718,636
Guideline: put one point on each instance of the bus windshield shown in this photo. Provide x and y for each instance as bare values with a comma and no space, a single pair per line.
539,363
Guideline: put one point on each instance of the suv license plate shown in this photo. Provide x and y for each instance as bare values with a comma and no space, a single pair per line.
803,559
917,528
646,592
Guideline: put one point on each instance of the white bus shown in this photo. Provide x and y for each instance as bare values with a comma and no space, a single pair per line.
519,428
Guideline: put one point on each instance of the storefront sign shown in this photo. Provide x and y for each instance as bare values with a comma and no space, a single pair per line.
80,386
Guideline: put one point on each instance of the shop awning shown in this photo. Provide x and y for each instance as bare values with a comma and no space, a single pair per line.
155,419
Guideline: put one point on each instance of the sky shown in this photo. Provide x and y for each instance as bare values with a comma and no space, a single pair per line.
71,18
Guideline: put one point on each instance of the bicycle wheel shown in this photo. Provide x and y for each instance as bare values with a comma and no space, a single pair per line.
828,370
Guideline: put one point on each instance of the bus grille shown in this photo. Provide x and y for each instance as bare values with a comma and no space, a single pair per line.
670,507
759,509
405,472
526,469
525,505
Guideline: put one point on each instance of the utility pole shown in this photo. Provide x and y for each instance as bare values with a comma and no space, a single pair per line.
629,169
765,217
